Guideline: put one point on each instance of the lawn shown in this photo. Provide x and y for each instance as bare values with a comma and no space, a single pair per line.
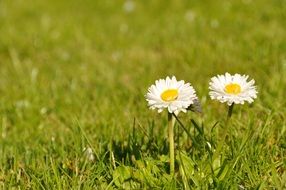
73,79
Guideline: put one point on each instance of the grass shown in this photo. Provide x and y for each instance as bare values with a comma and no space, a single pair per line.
73,75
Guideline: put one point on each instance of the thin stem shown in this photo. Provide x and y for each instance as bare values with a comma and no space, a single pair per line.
171,123
225,128
185,129
229,113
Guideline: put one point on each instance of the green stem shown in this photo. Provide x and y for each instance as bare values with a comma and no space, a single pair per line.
225,128
229,113
171,123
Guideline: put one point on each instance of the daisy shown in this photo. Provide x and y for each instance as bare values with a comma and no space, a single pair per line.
232,89
170,94
89,154
175,96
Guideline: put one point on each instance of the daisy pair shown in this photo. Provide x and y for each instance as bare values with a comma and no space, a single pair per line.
178,96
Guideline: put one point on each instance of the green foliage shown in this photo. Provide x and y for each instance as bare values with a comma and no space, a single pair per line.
73,75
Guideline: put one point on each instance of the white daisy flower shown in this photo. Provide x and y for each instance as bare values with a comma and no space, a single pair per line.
88,153
232,89
171,94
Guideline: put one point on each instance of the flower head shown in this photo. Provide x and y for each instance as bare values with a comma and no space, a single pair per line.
89,154
171,94
232,89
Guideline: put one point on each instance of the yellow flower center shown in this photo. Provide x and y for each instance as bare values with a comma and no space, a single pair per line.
169,95
232,88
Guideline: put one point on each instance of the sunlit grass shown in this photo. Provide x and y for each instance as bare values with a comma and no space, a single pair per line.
73,76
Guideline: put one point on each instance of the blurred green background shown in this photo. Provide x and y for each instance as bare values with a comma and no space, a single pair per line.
94,60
